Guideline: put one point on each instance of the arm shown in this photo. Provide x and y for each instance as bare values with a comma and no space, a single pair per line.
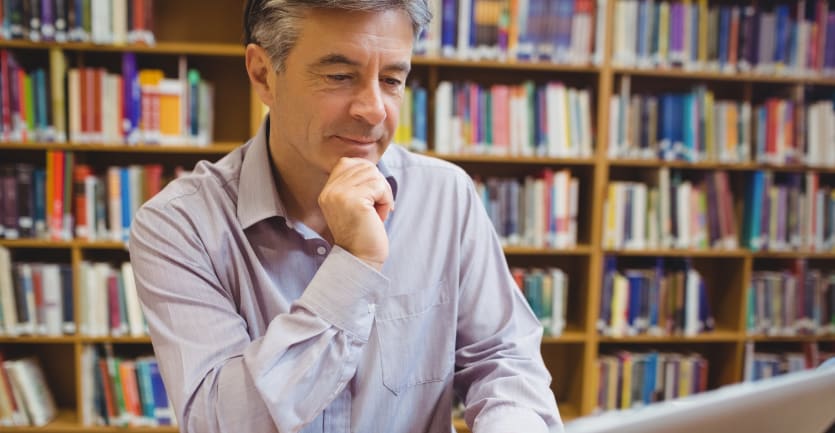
499,367
220,380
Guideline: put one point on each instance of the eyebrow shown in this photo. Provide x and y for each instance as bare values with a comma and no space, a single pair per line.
339,59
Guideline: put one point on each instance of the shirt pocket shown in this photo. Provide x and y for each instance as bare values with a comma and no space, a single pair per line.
417,337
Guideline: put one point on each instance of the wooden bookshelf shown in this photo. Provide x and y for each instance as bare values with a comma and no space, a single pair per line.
213,149
532,251
511,65
744,77
67,421
708,337
208,34
713,166
513,159
170,48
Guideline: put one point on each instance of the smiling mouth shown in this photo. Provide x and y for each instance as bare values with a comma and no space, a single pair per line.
359,141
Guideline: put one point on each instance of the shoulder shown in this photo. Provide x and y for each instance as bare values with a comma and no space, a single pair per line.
207,182
203,198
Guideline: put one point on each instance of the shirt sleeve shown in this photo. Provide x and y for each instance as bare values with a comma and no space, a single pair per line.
218,379
499,367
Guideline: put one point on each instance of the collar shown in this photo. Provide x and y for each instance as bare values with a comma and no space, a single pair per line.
258,197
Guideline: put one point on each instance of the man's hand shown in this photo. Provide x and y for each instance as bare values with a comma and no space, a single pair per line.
355,201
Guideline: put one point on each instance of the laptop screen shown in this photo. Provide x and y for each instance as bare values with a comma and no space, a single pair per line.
801,402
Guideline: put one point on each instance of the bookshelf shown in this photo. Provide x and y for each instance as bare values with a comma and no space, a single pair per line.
209,38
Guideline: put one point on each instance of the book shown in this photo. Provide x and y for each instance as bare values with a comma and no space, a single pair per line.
27,377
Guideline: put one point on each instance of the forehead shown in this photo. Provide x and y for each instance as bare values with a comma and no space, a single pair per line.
354,33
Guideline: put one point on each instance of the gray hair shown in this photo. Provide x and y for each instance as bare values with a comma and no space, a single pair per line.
275,24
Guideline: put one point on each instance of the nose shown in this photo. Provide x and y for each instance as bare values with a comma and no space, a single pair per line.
368,104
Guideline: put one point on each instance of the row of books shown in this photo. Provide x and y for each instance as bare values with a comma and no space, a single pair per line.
690,126
35,298
674,213
537,211
122,392
562,31
98,21
791,302
552,120
767,365
693,126
144,106
527,119
788,211
760,364
108,302
25,398
161,111
633,379
30,107
547,293
66,200
411,129
796,38
670,299
780,212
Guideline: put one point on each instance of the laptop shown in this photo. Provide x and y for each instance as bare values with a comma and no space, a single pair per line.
801,402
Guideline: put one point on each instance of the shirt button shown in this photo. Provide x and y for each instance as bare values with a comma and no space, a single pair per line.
321,250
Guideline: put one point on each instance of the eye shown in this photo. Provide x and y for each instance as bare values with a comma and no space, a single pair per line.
339,77
394,82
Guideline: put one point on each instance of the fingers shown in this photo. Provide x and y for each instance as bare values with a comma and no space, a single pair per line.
384,202
366,181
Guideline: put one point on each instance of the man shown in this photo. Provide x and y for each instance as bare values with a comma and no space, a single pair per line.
318,280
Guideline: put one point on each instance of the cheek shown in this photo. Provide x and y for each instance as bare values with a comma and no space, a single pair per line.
392,116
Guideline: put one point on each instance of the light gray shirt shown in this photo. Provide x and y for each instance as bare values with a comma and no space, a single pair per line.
260,325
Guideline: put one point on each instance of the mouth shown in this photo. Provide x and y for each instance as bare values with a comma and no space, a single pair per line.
357,141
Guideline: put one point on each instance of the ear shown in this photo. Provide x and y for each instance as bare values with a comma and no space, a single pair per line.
261,74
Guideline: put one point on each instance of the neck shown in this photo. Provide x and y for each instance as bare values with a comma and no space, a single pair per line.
299,189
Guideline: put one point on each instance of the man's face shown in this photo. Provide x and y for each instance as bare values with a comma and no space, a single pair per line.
342,87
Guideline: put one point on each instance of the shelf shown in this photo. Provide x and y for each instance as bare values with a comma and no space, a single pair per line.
826,255
566,337
789,339
510,159
821,169
69,339
707,253
120,340
579,250
67,422
747,77
709,337
38,339
508,64
173,48
46,243
35,243
700,165
713,165
213,149
100,245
